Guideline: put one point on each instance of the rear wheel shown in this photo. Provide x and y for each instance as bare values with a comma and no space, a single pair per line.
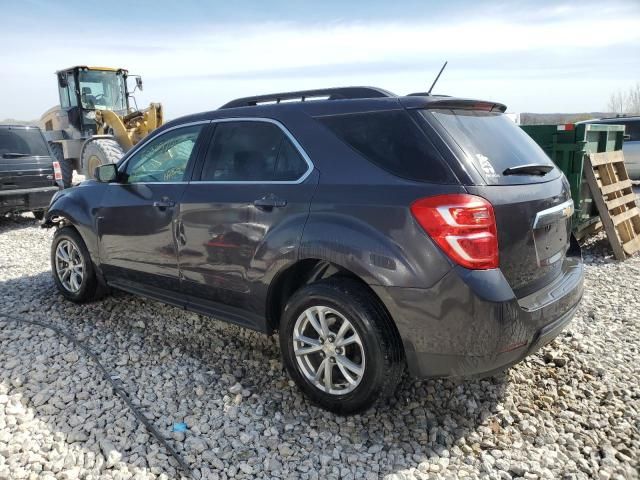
100,151
66,166
72,268
339,345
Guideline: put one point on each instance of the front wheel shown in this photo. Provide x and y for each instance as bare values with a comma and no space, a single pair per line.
72,268
339,345
100,151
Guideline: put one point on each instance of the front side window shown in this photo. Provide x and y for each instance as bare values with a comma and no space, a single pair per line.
64,97
165,158
71,87
247,151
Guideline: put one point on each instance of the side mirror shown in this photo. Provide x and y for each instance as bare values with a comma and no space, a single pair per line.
139,83
106,173
626,137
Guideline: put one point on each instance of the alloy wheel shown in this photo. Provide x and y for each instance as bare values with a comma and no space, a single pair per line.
328,350
69,265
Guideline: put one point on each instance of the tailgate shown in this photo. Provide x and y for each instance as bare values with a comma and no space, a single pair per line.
530,196
534,228
25,172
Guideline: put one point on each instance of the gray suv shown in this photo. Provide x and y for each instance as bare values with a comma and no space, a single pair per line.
374,232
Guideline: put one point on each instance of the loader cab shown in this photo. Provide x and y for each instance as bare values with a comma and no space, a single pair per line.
83,90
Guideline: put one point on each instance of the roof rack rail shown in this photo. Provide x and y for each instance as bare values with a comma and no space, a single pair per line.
341,93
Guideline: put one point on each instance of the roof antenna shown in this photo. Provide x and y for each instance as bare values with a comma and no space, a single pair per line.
436,80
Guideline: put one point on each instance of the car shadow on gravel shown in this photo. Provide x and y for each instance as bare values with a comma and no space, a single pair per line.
17,222
242,411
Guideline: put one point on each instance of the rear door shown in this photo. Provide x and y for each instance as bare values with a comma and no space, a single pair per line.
25,162
531,198
243,216
136,215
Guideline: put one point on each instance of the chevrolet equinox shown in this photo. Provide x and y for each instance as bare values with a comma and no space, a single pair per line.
374,232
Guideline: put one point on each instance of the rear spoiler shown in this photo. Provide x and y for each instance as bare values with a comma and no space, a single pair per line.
420,100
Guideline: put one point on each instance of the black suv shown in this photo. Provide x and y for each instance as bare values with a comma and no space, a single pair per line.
372,231
27,174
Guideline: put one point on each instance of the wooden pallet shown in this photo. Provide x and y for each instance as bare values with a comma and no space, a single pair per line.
613,194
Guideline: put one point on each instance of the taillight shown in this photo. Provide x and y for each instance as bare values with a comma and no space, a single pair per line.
57,173
462,225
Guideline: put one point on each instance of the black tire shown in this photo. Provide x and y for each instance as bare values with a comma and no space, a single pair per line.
39,214
99,151
383,352
66,165
89,286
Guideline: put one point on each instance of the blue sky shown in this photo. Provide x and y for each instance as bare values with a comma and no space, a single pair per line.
535,56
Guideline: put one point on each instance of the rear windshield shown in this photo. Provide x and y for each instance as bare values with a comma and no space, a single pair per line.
493,143
631,128
26,141
392,141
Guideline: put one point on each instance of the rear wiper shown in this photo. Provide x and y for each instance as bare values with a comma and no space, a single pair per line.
15,155
529,169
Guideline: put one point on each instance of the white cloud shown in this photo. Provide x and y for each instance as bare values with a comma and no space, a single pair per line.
198,70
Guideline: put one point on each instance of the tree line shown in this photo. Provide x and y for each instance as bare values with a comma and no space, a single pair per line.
625,101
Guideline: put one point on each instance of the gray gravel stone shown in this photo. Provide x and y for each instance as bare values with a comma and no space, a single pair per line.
570,411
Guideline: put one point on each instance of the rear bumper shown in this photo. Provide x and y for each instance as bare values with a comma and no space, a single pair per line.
436,365
26,199
471,324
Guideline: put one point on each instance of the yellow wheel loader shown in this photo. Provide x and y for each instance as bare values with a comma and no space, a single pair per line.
95,122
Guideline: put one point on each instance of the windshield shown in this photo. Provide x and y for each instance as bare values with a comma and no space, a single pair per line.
22,141
102,90
493,144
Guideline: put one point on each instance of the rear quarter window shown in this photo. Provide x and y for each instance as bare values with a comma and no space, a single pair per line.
492,143
392,141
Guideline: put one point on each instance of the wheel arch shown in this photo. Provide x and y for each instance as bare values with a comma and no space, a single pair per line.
304,272
55,218
73,207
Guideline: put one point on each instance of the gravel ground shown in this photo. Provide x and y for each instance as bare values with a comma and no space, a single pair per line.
570,411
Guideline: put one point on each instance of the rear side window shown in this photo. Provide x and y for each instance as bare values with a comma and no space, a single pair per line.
633,130
250,152
22,141
392,141
493,143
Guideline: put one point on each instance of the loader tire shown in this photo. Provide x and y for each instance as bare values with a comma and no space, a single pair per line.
99,152
66,165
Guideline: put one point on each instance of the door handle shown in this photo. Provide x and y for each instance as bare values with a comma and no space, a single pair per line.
270,201
164,203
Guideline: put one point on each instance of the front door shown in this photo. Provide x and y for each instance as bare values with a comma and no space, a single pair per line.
136,218
242,217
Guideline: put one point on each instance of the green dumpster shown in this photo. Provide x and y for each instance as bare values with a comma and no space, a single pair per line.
567,145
